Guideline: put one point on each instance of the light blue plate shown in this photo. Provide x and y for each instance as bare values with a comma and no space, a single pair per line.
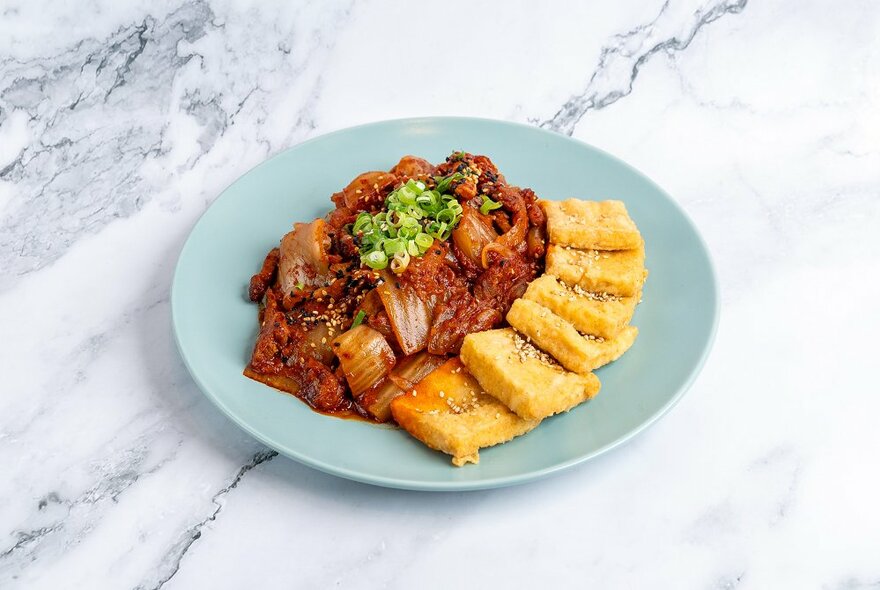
215,325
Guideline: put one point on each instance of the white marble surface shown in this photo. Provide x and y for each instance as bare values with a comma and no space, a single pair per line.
120,122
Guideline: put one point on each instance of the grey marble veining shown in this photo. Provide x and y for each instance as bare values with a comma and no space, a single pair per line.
170,563
98,115
620,61
120,124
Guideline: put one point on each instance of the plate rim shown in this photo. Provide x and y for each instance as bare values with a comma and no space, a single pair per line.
450,486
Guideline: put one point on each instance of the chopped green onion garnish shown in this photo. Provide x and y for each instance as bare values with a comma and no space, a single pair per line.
408,197
488,205
445,182
300,285
446,215
377,260
407,233
400,262
414,217
439,230
394,246
363,220
423,241
413,248
359,318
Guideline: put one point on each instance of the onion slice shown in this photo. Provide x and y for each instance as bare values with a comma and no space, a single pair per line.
408,372
473,233
412,369
303,259
410,316
365,357
376,401
317,343
514,238
502,250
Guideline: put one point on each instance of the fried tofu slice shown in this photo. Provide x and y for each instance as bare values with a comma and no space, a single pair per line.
593,225
525,379
598,314
450,412
559,338
619,273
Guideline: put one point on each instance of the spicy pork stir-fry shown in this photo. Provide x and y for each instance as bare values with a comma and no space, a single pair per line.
449,301
358,307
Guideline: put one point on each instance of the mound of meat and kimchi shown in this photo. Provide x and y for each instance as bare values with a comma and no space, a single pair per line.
358,307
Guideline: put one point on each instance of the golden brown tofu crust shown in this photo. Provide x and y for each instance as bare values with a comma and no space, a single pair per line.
451,413
600,315
594,225
563,342
531,386
618,273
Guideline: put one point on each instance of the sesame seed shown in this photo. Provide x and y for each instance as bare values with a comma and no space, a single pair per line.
525,350
572,290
